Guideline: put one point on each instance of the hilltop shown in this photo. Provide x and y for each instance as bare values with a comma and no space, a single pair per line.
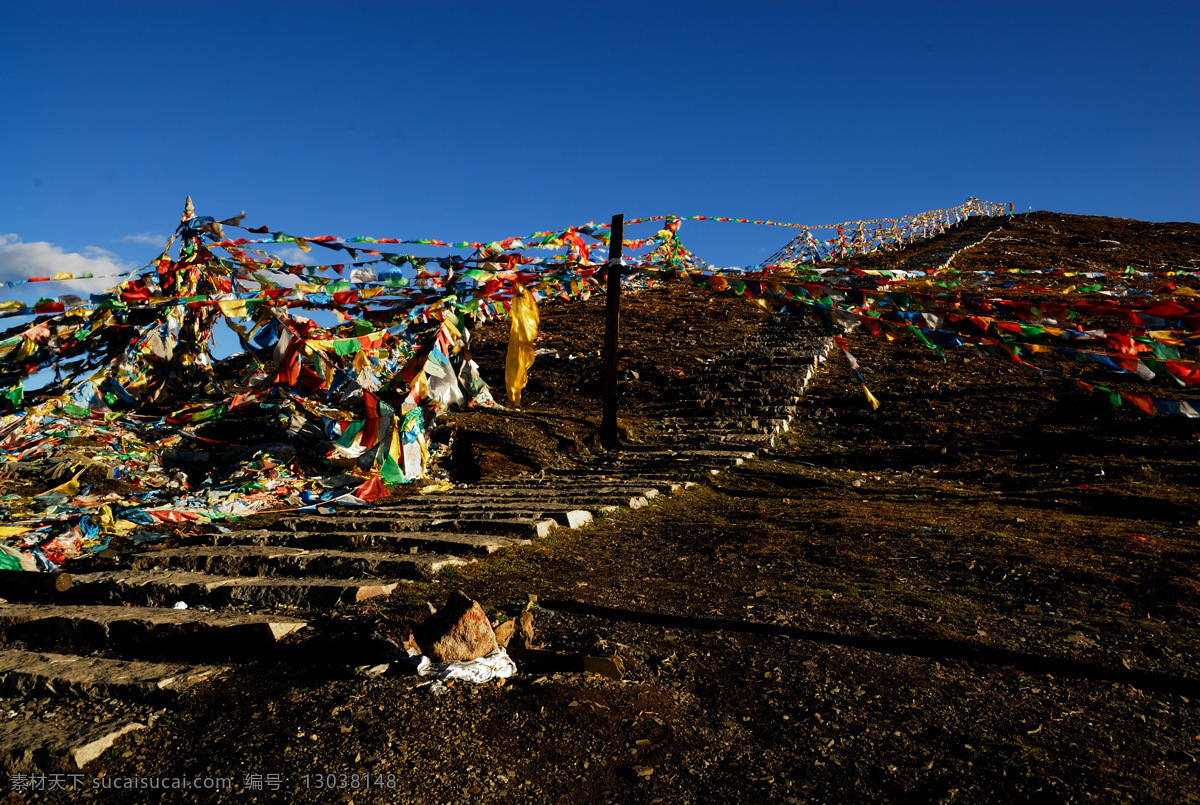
985,590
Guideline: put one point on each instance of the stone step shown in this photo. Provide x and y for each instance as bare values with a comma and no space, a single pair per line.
770,345
656,484
526,527
270,560
520,510
659,479
685,475
752,379
470,508
695,438
101,625
793,361
766,355
754,441
717,398
411,541
758,444
553,483
156,587
788,328
658,452
559,501
527,485
801,366
31,673
762,387
738,383
753,394
680,466
751,424
703,409
773,345
668,458
28,746
688,473
570,518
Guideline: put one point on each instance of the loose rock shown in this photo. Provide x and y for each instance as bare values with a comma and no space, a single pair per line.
458,631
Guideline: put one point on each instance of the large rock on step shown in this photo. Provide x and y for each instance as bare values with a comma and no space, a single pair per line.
458,631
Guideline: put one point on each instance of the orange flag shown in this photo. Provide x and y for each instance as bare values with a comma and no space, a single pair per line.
521,336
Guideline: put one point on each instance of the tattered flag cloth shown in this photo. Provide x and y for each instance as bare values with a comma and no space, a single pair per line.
523,333
135,379
1146,354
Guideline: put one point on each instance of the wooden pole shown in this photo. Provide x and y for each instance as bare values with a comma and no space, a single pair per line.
612,324
24,584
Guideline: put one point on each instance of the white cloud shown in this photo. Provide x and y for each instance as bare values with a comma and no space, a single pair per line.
294,254
148,238
20,260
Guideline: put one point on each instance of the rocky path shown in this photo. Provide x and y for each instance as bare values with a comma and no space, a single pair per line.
939,258
83,667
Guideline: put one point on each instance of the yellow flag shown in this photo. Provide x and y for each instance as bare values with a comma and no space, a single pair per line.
521,336
871,397
111,525
233,307
361,361
70,488
28,346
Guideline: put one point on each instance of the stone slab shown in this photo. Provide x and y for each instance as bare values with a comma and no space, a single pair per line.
204,559
272,560
31,746
438,541
542,503
31,673
527,527
526,510
157,586
302,593
543,490
100,623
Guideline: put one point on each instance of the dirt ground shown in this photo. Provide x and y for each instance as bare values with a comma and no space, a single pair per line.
985,591
666,334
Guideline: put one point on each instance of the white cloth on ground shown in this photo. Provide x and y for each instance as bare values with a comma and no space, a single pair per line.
495,665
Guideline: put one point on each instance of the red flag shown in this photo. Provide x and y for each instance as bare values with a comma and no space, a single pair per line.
1142,402
372,490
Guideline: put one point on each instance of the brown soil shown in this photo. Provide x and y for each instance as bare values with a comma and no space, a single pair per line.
986,591
666,334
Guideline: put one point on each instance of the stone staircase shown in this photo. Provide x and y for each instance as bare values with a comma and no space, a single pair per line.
75,669
939,258
747,396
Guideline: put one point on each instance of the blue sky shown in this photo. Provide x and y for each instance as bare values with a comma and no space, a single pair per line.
474,121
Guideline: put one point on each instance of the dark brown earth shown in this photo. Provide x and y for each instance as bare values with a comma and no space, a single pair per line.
666,335
985,591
